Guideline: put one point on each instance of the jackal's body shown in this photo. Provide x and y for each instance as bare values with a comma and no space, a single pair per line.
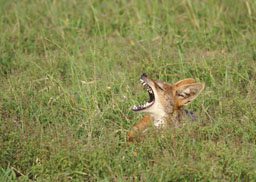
166,103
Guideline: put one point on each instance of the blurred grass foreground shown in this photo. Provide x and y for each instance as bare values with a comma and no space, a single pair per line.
69,73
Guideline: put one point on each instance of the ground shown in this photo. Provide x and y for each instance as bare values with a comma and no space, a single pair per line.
70,70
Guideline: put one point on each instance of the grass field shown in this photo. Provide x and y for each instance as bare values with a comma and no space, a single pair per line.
69,73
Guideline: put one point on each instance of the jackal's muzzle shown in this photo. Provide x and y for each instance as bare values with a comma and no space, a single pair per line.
147,82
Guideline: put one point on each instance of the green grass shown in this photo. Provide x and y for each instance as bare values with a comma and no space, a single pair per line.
69,73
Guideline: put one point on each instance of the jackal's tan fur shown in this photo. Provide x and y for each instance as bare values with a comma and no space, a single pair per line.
166,103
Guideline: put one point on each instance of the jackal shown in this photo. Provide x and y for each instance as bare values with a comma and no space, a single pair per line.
166,103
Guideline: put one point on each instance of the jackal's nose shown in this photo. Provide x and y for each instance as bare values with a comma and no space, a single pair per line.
143,75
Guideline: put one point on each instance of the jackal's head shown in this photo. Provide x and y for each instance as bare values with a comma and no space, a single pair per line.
165,98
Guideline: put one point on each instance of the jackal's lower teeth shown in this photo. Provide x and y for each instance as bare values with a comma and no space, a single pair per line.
142,106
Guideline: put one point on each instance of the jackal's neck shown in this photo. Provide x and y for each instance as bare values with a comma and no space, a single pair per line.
165,119
172,118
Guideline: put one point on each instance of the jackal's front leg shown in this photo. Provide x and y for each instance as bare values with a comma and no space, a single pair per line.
144,123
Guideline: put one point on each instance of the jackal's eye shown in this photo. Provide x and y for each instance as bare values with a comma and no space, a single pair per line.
160,88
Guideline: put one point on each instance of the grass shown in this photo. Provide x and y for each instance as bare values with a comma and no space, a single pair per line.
70,71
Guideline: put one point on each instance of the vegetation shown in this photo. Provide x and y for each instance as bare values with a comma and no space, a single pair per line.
70,72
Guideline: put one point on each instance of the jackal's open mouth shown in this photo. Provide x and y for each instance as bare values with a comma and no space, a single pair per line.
151,98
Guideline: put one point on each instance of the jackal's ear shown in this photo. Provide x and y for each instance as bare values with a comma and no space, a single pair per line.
188,92
185,82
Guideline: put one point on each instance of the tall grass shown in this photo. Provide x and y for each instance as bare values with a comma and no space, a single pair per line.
69,74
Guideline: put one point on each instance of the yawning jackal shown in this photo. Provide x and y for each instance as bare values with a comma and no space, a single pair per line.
166,103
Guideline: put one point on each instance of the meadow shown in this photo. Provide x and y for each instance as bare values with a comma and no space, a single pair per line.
69,76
